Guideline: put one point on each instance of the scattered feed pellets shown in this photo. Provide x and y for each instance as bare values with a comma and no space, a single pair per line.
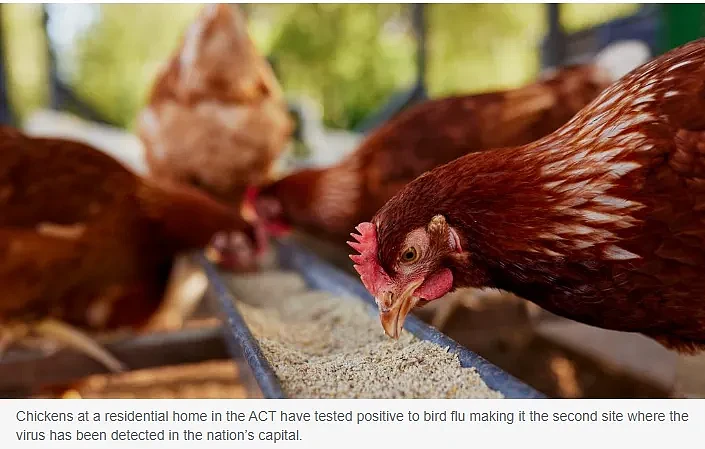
323,346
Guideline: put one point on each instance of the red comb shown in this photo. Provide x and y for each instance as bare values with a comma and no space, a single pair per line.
366,263
251,194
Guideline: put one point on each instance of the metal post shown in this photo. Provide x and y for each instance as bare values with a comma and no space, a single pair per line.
556,51
418,19
62,97
54,102
6,116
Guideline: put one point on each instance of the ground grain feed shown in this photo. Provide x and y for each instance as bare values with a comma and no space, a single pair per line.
322,346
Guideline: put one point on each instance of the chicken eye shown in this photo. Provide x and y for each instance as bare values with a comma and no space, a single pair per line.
409,255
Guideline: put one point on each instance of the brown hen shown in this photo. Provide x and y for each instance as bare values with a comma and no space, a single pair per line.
216,117
87,243
602,221
331,201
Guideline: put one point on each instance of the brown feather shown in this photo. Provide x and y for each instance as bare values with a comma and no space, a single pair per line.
331,201
599,221
216,117
84,240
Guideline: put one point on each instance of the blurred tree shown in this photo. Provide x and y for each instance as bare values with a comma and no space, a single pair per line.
481,47
350,57
119,56
578,16
25,55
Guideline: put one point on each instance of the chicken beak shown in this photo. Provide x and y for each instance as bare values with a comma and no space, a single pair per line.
393,310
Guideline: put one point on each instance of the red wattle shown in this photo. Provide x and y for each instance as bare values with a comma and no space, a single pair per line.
436,286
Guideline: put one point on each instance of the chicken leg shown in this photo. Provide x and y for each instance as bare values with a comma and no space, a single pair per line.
185,290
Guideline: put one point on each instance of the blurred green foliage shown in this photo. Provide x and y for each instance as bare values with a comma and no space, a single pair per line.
25,56
342,55
350,57
119,57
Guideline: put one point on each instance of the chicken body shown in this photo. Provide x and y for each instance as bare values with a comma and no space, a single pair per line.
216,117
602,221
86,242
331,201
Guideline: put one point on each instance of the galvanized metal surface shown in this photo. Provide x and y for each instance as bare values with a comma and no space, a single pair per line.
323,276
240,341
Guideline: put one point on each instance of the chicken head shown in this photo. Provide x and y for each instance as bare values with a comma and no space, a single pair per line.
418,274
270,210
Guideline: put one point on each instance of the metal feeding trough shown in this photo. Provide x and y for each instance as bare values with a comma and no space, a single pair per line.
323,276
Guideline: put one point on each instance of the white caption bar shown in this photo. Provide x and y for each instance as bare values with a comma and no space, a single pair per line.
313,424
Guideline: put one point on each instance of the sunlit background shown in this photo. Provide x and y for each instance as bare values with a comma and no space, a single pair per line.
349,58
349,62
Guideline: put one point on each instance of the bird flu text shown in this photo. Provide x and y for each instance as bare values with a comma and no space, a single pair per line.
320,423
